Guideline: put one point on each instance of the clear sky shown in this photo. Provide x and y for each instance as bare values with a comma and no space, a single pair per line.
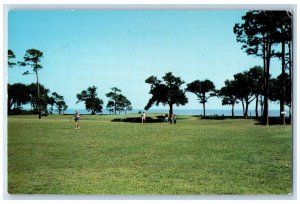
122,48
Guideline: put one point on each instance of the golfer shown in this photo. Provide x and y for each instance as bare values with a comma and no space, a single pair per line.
143,117
76,119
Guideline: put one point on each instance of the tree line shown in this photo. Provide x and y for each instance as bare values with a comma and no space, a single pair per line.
21,94
245,87
117,102
37,95
268,34
34,94
265,34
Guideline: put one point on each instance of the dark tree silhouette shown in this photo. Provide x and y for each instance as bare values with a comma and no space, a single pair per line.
123,104
113,95
110,106
21,94
18,95
203,90
11,56
118,102
166,92
283,37
244,90
276,89
92,102
228,94
257,75
59,102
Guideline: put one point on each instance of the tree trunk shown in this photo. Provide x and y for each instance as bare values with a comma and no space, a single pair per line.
282,97
261,103
232,110
291,78
243,105
256,107
246,110
265,118
204,109
38,99
170,110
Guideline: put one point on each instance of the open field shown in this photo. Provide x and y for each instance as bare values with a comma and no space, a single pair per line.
193,157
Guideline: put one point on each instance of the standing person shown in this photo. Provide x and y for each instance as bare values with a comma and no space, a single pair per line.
143,117
76,119
166,118
174,119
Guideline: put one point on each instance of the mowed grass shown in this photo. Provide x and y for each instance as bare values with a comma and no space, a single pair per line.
193,157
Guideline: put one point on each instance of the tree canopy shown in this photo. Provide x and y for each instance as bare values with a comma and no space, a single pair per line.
32,58
92,102
166,92
203,90
18,95
118,102
228,94
58,102
21,94
10,56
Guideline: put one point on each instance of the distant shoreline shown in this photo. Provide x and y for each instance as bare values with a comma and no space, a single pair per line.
209,112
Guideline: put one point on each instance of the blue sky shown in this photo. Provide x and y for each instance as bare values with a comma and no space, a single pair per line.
122,48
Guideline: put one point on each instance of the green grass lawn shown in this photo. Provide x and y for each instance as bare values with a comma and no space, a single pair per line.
193,157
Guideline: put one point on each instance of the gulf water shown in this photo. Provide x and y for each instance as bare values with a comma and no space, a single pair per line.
208,112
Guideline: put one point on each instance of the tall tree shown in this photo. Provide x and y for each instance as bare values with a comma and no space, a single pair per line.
228,94
203,90
283,37
11,56
92,102
256,33
113,95
167,92
33,58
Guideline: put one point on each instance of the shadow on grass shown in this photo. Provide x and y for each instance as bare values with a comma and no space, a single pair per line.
158,119
214,117
138,120
274,121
